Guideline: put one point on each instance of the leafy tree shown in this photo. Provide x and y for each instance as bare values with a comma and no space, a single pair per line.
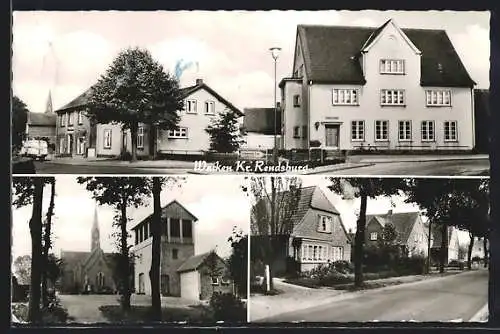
120,193
225,134
238,261
213,267
22,268
364,188
29,190
136,89
157,184
19,119
275,201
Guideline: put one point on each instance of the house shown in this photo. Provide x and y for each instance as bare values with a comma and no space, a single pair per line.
382,88
88,272
258,124
78,137
478,248
482,116
42,125
318,235
411,233
202,275
452,248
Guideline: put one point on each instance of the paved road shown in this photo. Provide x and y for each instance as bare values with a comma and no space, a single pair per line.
450,298
48,167
429,168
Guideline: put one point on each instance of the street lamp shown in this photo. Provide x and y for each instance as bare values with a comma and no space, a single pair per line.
275,51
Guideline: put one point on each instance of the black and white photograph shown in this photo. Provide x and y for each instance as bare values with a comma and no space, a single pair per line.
125,250
292,92
368,249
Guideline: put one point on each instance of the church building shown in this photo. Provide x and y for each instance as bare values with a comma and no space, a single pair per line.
88,272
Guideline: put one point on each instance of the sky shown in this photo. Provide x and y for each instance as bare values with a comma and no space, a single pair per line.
66,52
216,201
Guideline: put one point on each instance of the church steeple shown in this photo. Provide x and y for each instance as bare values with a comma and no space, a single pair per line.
48,106
96,237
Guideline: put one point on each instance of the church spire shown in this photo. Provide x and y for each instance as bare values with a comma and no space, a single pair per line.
48,106
96,242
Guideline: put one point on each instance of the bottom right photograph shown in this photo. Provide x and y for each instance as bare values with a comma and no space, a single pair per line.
330,249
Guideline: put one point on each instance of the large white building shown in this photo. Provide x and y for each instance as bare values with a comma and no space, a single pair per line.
382,88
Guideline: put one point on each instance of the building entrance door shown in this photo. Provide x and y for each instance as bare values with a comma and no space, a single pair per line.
332,135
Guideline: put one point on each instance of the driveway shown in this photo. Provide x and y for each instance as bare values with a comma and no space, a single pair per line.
85,308
450,298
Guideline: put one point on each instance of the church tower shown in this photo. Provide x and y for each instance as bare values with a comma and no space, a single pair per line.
96,237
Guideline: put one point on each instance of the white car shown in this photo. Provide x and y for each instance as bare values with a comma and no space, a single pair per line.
34,148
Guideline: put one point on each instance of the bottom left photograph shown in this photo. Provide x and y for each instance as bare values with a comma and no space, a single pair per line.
96,250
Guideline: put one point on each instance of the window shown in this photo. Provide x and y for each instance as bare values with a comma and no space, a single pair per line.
392,97
107,138
187,228
63,119
404,130
136,237
304,132
146,232
190,106
373,236
175,253
358,130
310,252
70,119
296,132
381,130
61,145
392,66
140,137
179,133
438,98
450,131
210,107
175,228
337,253
325,224
427,130
296,100
315,252
345,96
80,117
215,280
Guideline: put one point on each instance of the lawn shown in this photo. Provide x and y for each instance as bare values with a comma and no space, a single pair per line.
140,314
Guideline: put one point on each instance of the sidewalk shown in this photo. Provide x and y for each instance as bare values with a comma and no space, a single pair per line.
414,158
114,163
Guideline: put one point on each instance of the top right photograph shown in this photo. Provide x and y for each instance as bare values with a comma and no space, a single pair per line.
364,93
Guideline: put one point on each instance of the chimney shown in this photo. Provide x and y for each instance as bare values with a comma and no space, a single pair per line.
199,82
389,212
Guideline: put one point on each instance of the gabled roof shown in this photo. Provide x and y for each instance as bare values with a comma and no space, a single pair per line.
42,119
72,259
331,55
164,211
77,103
195,261
403,223
261,120
201,85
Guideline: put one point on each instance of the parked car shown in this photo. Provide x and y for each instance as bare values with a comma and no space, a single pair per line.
36,149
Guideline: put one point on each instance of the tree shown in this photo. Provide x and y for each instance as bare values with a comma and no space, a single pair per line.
19,119
135,89
238,261
120,193
213,267
154,273
275,201
47,244
22,268
225,134
364,188
29,190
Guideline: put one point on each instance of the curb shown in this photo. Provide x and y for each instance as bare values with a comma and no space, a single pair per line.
346,295
375,161
359,165
481,315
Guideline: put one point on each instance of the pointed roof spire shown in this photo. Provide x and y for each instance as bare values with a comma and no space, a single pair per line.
48,106
96,221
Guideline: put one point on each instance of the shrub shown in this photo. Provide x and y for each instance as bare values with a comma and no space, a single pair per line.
331,273
414,265
227,307
343,267
456,264
476,259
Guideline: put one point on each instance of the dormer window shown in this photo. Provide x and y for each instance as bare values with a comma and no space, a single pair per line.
392,66
325,224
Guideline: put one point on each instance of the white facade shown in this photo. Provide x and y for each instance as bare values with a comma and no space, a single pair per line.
258,141
391,111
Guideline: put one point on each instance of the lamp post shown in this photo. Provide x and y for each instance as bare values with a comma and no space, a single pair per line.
275,51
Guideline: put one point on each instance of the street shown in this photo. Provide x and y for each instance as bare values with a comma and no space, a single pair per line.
49,167
479,167
455,297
